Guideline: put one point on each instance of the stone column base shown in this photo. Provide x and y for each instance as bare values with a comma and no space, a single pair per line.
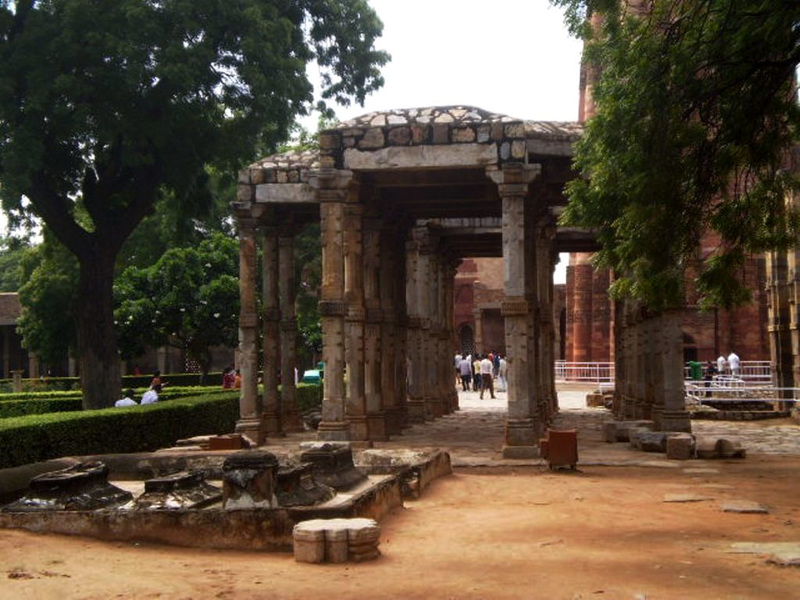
333,431
520,452
271,425
251,427
292,423
521,433
416,411
395,419
676,420
433,408
359,430
376,423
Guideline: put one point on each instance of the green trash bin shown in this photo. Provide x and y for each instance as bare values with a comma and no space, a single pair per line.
695,370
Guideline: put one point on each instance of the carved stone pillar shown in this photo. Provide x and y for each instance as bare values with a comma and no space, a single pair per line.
332,191
674,417
373,358
780,322
391,272
354,321
288,292
414,343
249,422
272,418
424,290
546,358
522,426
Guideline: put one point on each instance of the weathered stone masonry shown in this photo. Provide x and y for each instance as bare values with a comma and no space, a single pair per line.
402,197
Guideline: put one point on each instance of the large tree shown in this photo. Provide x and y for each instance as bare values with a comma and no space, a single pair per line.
696,117
105,104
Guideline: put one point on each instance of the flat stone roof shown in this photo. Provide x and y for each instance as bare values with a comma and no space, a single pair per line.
437,126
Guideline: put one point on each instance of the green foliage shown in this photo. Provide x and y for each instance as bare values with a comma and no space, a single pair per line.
309,267
188,298
50,273
18,408
696,113
109,105
12,253
309,397
115,430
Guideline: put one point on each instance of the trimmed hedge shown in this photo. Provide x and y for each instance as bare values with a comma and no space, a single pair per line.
19,408
35,438
309,397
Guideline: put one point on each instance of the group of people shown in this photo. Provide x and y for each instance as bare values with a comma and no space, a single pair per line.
149,397
231,378
479,372
732,363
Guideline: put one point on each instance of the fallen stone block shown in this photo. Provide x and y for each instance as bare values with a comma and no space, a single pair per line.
623,428
681,498
633,435
651,441
730,449
706,447
336,540
744,507
680,446
610,432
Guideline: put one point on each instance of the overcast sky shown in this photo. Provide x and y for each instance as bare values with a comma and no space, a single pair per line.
513,57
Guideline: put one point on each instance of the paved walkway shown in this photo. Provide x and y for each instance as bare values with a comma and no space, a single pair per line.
474,434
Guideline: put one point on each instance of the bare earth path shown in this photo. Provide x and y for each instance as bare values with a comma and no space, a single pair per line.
503,532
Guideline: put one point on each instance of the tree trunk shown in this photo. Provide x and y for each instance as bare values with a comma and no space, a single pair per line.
97,342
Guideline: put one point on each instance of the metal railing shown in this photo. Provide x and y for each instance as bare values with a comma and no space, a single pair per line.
752,372
594,372
726,389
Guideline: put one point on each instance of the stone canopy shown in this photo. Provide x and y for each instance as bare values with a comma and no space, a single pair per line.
402,197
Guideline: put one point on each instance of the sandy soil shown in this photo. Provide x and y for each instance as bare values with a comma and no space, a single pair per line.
602,533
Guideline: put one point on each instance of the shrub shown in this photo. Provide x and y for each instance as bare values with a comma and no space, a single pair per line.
38,406
39,437
309,397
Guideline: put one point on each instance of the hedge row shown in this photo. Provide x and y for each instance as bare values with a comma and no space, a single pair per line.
38,406
35,438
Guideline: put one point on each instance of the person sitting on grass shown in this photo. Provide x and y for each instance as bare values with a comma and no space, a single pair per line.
127,400
151,395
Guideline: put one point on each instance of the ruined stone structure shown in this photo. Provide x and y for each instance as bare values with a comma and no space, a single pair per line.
402,198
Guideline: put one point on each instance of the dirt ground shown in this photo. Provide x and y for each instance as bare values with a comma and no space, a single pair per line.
604,532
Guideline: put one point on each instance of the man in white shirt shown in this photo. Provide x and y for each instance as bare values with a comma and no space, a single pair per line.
151,395
733,363
486,376
502,375
721,365
127,400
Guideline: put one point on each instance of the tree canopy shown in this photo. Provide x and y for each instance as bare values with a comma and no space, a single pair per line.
106,105
696,118
188,299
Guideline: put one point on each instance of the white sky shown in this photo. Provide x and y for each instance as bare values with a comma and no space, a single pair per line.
513,57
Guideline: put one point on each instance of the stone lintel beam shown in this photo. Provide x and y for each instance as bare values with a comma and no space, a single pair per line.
400,157
284,193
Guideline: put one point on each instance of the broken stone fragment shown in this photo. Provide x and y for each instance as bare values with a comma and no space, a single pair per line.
680,446
83,486
249,479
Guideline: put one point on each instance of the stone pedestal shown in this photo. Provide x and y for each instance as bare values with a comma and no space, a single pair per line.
249,480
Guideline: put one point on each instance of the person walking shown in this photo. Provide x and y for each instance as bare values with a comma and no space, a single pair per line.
733,363
502,375
721,364
465,371
486,377
476,373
